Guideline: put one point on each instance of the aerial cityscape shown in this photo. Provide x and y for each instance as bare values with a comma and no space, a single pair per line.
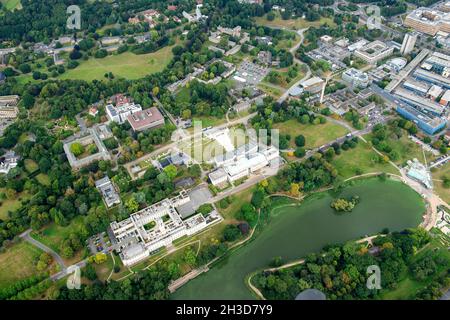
224,150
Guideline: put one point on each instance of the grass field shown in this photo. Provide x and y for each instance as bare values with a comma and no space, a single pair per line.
53,235
31,165
11,4
43,179
11,204
126,65
315,135
17,262
273,92
295,24
360,160
407,150
408,285
438,174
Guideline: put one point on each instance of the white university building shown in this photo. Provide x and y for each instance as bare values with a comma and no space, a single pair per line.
155,227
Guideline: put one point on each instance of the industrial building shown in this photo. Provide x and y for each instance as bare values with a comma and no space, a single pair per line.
356,78
374,52
428,123
432,77
421,102
155,227
445,99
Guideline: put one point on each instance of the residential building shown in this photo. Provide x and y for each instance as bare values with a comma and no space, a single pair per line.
374,52
145,119
356,78
108,191
120,113
93,111
408,43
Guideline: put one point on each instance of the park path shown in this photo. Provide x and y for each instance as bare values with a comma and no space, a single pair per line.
26,236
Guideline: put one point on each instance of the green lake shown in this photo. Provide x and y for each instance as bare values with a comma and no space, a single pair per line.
295,231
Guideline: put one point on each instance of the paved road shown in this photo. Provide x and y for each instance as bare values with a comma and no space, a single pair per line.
294,49
26,236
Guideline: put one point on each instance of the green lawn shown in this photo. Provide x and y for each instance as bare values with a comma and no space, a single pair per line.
31,165
11,204
43,179
360,160
292,23
17,262
11,4
53,235
315,135
126,65
273,92
438,174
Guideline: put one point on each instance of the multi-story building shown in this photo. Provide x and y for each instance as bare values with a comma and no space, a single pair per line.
313,85
429,21
108,191
374,52
120,113
146,119
8,161
356,78
408,43
424,121
155,227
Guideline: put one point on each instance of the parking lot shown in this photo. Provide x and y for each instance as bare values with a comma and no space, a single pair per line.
249,73
99,243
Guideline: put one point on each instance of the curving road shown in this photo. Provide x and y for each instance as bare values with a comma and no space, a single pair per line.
26,236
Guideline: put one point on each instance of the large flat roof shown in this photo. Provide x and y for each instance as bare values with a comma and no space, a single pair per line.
144,118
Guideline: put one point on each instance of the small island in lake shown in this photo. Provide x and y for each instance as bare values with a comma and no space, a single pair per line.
345,205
